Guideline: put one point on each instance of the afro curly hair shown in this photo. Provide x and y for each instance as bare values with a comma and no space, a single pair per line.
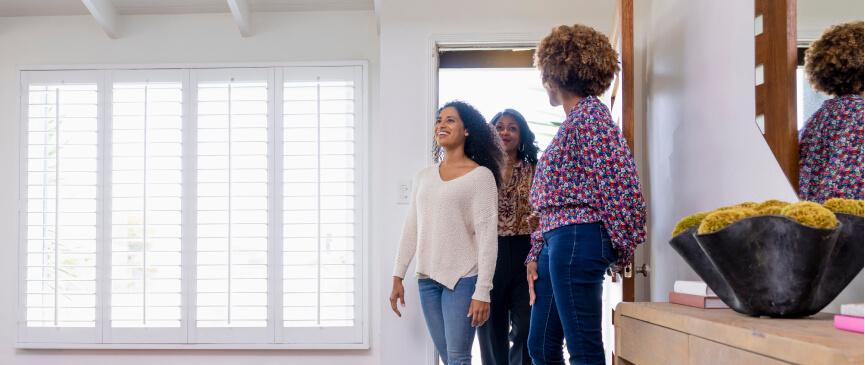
578,59
834,62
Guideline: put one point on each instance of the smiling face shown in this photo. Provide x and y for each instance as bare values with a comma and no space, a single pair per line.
449,130
509,132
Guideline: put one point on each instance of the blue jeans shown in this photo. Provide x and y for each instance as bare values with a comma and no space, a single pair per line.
445,313
568,292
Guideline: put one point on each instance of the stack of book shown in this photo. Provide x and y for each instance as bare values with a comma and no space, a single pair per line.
850,318
695,294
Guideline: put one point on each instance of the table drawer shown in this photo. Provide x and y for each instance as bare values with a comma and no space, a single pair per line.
646,344
705,352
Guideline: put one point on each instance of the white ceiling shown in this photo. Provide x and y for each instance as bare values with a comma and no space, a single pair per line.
127,7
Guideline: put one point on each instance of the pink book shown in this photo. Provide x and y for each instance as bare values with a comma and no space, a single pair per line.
696,301
847,323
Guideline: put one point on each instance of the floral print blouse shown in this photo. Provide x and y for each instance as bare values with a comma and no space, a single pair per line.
514,207
588,175
830,151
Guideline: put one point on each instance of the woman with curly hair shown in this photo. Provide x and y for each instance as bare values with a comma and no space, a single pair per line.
830,145
451,227
587,195
509,306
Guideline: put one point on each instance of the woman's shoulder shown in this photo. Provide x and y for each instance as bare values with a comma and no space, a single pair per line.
592,114
483,173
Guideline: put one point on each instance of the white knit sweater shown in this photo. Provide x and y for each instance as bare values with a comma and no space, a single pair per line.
452,226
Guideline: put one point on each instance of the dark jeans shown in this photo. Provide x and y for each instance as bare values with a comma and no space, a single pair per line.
509,306
571,270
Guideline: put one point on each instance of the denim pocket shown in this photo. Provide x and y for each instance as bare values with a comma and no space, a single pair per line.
608,252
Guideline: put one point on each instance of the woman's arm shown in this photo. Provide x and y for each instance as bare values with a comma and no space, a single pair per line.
617,186
405,253
408,241
537,236
812,157
485,215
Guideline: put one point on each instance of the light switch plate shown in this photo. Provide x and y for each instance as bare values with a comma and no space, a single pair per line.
403,192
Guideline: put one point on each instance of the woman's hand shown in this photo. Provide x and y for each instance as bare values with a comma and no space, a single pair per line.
397,293
479,311
531,276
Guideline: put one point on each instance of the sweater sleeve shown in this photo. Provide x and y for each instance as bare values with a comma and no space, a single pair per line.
485,218
408,241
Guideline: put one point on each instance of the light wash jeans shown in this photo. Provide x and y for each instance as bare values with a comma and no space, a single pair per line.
445,312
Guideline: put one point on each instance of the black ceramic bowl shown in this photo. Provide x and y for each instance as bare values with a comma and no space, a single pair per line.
775,266
845,261
686,245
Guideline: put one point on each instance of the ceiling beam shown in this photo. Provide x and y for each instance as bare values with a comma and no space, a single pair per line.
240,12
105,14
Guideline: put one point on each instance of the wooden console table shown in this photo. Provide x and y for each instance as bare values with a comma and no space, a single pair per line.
670,334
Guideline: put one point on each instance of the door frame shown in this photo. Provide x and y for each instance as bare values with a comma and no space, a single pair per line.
453,41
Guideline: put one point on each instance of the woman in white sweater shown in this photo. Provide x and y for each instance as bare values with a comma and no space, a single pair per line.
452,229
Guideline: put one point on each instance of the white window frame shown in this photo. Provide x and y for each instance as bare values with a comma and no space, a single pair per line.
234,334
326,334
275,336
145,334
51,334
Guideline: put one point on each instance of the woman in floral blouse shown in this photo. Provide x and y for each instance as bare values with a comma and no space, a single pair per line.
509,299
587,194
830,147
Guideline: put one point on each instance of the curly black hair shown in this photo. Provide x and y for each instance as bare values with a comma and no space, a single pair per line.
482,144
528,150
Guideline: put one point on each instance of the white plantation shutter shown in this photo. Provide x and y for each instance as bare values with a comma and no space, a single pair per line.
61,218
233,116
193,206
146,200
321,203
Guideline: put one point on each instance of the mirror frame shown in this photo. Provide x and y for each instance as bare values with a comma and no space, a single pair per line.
775,61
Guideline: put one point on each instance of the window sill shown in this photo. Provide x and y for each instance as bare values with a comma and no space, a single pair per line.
191,346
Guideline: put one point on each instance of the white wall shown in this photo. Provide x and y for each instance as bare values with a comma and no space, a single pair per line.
209,38
407,31
703,148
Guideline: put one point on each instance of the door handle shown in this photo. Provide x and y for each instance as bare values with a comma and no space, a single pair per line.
644,270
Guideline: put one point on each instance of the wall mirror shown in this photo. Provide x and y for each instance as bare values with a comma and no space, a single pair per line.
784,98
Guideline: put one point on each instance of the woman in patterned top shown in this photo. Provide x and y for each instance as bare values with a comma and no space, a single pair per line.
587,194
509,299
830,146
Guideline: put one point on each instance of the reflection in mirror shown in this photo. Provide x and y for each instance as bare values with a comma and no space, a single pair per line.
830,143
786,98
812,18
